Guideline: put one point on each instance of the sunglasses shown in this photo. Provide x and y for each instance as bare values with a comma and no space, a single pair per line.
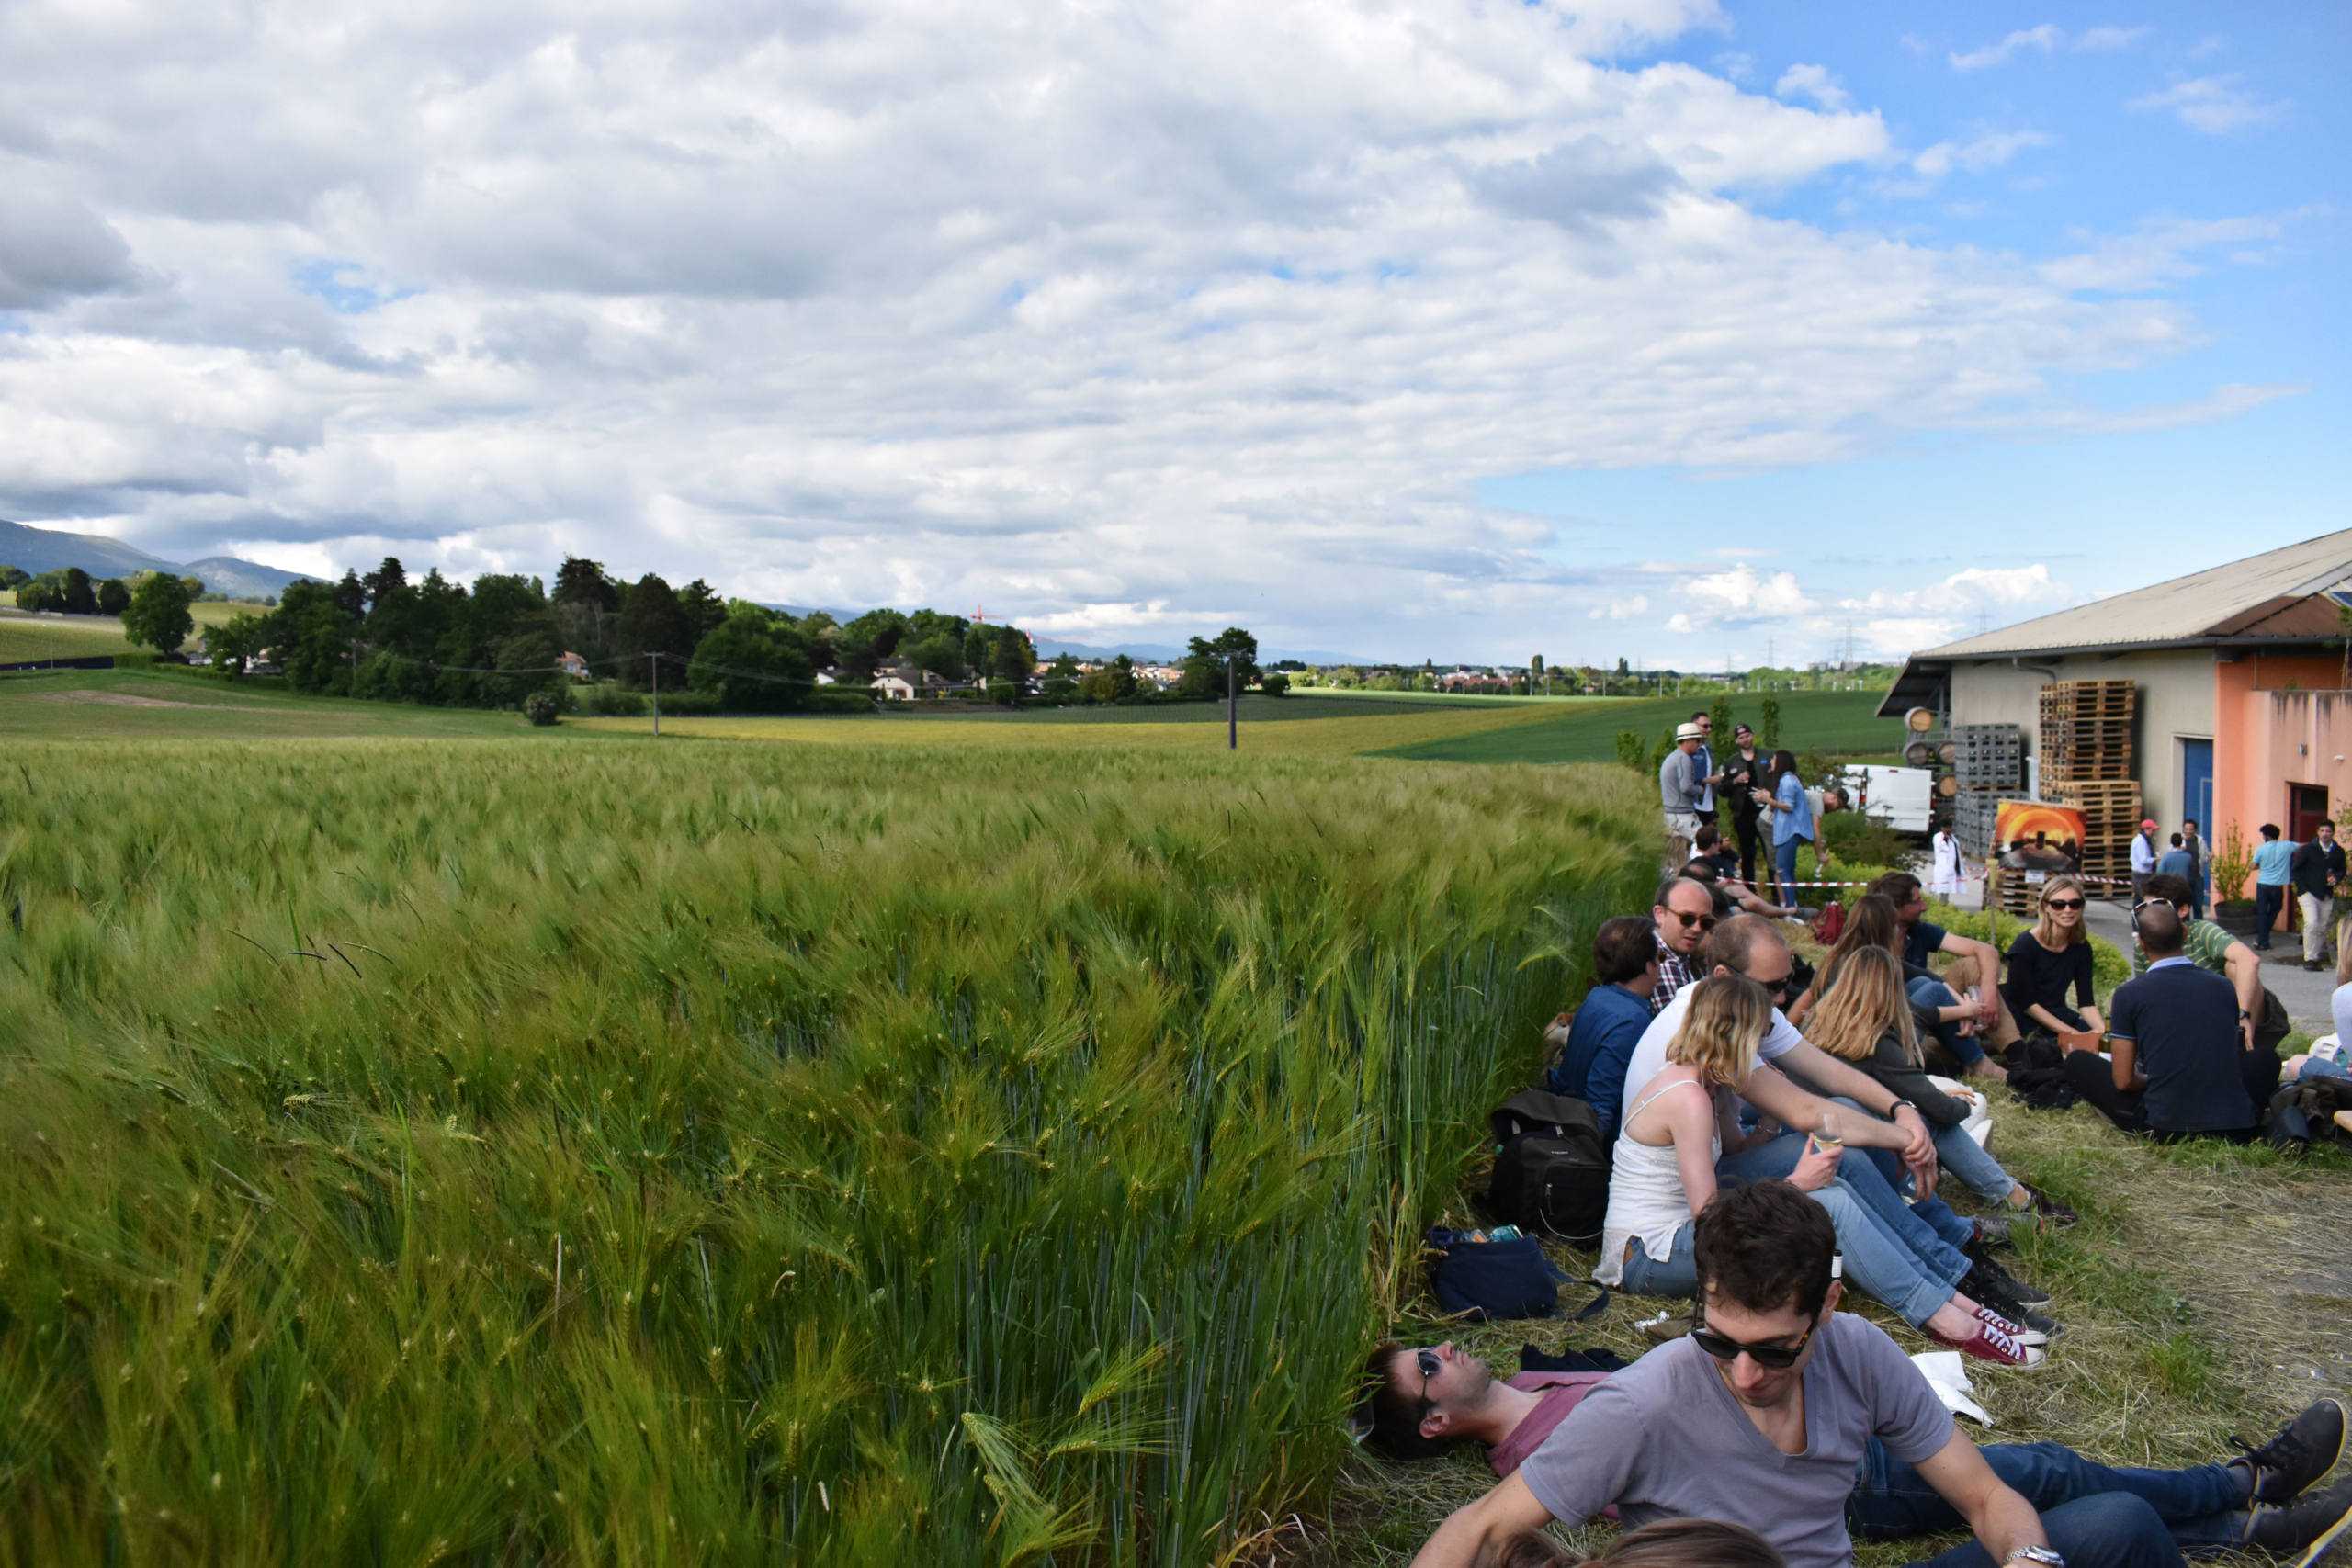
1704,922
1778,1357
2061,903
1429,1363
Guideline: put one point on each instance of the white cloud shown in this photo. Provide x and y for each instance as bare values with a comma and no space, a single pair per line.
2045,37
1895,622
1109,318
1977,154
2161,251
1742,596
2213,105
1812,81
2048,38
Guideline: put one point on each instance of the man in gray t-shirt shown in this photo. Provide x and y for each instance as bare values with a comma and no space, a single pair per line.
1760,1417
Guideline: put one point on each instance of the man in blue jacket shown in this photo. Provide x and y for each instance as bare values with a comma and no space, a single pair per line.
1609,1024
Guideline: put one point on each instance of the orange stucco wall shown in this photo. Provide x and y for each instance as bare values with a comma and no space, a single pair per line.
2266,737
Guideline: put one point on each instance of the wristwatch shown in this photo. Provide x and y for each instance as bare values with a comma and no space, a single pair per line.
1900,1105
2035,1554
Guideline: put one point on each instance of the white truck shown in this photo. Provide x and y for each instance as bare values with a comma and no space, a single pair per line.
1903,798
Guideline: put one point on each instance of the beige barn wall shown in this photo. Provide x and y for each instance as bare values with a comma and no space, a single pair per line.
2175,693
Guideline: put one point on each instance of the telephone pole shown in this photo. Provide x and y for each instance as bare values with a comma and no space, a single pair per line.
1232,717
653,661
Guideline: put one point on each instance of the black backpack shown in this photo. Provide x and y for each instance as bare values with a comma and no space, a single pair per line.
1550,1173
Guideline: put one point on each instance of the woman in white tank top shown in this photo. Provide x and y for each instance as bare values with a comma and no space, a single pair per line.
1663,1173
1664,1165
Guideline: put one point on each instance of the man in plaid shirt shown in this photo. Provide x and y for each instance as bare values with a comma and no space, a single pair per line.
1685,913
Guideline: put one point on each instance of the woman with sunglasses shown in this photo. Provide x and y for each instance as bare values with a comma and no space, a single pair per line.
2049,959
1664,1175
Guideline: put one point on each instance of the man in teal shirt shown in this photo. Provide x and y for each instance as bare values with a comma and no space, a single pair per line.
2272,876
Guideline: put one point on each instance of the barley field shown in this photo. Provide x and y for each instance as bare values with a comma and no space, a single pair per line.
491,1152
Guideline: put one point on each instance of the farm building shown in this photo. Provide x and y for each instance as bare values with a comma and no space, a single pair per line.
2244,713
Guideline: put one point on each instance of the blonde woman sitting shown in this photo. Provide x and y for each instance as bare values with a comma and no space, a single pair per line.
1869,1020
1676,1127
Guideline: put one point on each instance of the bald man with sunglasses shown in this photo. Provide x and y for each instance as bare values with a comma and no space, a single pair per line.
1684,912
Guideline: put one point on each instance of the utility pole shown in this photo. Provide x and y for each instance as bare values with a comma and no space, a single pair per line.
1232,717
653,660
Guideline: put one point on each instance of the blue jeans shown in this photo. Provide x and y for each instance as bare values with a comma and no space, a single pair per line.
1962,1156
1933,1233
2268,901
2203,1507
2314,1068
2114,1529
1678,1276
1935,993
1784,860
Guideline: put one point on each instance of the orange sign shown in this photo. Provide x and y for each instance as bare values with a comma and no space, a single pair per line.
2030,837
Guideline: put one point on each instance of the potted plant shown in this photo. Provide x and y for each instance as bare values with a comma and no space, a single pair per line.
2232,869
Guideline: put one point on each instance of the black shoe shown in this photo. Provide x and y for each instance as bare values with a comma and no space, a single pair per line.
2310,1527
1989,1290
1985,1271
2305,1449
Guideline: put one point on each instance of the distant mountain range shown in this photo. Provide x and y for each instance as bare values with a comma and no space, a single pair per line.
51,549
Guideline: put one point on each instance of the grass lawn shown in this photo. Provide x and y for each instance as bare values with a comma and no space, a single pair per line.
1290,735
1836,722
92,704
2205,1294
25,635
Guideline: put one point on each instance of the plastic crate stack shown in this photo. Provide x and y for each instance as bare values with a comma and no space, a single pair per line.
1984,764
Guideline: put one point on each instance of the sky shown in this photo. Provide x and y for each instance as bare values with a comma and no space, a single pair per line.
1679,331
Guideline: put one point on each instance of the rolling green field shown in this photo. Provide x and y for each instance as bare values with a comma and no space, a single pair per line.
24,636
78,704
502,1151
1841,722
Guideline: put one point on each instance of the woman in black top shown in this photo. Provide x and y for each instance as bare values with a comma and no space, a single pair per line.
1743,770
2045,961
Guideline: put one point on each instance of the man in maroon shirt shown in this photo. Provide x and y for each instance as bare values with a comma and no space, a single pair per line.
1424,1401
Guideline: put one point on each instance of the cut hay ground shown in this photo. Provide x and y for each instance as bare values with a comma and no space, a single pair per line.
2205,1294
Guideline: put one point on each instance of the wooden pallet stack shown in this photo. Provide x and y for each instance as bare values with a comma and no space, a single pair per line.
2111,809
2087,764
2086,732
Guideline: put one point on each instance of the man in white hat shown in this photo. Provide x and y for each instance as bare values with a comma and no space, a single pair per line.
1681,784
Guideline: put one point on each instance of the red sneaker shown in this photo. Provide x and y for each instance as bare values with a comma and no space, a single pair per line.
1994,1345
2017,1331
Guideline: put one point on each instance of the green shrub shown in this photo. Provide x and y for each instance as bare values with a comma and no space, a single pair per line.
840,699
609,699
542,708
1275,684
1852,836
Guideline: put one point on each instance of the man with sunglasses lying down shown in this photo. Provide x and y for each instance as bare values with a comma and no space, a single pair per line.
1799,1421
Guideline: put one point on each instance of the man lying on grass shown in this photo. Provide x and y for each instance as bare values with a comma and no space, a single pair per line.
1784,1413
1423,1402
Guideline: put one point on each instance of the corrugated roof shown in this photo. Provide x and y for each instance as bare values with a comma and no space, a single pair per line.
2230,601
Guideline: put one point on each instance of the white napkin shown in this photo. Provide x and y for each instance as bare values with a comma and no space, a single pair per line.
1978,1124
1945,1374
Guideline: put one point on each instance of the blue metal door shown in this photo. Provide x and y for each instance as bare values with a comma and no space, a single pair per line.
2197,787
